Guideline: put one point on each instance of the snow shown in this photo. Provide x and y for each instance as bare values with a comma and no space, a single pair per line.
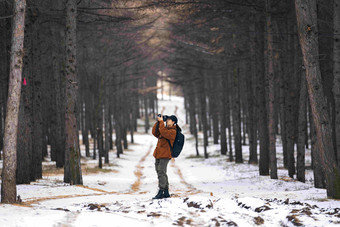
205,192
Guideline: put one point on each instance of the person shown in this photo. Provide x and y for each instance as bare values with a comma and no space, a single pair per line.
162,151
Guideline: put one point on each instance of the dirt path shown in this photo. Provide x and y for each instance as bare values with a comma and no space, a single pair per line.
139,173
134,188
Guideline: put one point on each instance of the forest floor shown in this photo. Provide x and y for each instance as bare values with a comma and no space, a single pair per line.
204,192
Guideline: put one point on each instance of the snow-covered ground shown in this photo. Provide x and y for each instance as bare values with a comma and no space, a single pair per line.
205,192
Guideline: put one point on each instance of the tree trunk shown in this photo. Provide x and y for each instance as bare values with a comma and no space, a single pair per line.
291,100
336,73
107,122
72,168
307,29
228,115
24,138
300,164
118,136
283,130
251,107
222,98
236,116
261,101
192,116
37,137
111,128
117,115
24,171
57,148
100,146
319,175
87,121
244,123
213,103
146,114
271,95
3,74
325,43
8,186
204,114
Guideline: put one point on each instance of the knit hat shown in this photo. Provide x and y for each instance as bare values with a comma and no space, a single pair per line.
173,118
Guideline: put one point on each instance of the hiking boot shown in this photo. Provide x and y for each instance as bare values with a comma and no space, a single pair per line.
159,194
166,193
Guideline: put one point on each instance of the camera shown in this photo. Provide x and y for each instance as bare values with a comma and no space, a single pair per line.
165,117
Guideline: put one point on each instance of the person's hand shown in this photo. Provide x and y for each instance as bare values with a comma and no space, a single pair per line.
160,118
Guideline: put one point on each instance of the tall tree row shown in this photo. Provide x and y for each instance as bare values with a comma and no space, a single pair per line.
255,73
75,72
253,58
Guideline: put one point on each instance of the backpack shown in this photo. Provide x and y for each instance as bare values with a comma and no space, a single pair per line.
178,144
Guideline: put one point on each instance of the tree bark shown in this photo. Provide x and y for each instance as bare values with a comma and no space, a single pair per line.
100,146
300,164
261,101
37,140
222,98
24,138
291,101
325,43
87,121
8,186
271,95
203,113
282,100
57,148
307,29
336,73
193,122
236,116
72,168
251,122
24,171
228,115
146,114
107,122
318,174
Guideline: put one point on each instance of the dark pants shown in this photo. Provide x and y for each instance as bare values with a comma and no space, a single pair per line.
161,166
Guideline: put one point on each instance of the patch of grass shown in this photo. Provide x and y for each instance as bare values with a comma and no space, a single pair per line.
321,199
93,170
195,157
52,170
202,156
86,169
190,138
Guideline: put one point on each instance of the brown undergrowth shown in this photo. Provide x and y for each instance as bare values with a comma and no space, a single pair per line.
86,168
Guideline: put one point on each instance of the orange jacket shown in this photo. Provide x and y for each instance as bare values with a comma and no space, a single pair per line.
163,149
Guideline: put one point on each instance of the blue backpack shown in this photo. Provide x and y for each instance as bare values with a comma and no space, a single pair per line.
178,144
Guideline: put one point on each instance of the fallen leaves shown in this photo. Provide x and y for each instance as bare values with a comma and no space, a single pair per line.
153,214
258,220
98,207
